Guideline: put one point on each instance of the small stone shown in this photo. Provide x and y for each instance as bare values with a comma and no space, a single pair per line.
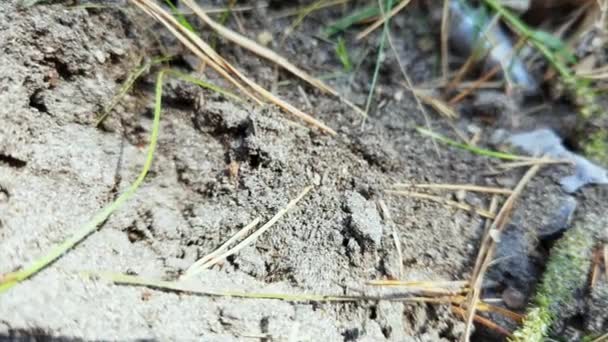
499,137
3,196
513,298
460,195
265,38
100,56
560,219
364,223
495,235
426,44
398,95
473,129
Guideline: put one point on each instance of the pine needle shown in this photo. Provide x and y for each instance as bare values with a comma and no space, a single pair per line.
250,238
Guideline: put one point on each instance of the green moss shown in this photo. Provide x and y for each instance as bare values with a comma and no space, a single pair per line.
596,146
566,273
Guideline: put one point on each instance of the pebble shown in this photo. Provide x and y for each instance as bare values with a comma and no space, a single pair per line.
513,298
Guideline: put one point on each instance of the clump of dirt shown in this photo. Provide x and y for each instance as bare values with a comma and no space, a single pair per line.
219,165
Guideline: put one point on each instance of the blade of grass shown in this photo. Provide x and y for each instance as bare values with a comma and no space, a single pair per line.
380,57
180,17
128,84
473,149
204,84
342,52
11,279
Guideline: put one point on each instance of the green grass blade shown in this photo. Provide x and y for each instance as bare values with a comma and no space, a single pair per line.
342,52
351,19
379,59
470,148
128,84
179,16
11,279
204,84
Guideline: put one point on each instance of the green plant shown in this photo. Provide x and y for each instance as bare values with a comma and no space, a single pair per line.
342,52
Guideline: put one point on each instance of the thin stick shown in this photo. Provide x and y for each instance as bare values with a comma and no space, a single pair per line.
463,206
253,236
466,187
244,231
498,225
382,19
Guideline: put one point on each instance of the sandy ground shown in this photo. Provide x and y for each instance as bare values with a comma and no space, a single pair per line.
60,66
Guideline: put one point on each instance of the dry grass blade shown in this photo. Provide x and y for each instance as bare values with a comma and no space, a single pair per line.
461,284
606,262
595,268
463,206
489,245
481,306
440,106
445,27
264,52
381,21
410,87
484,321
602,338
202,261
220,65
542,161
386,215
251,237
466,187
192,42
